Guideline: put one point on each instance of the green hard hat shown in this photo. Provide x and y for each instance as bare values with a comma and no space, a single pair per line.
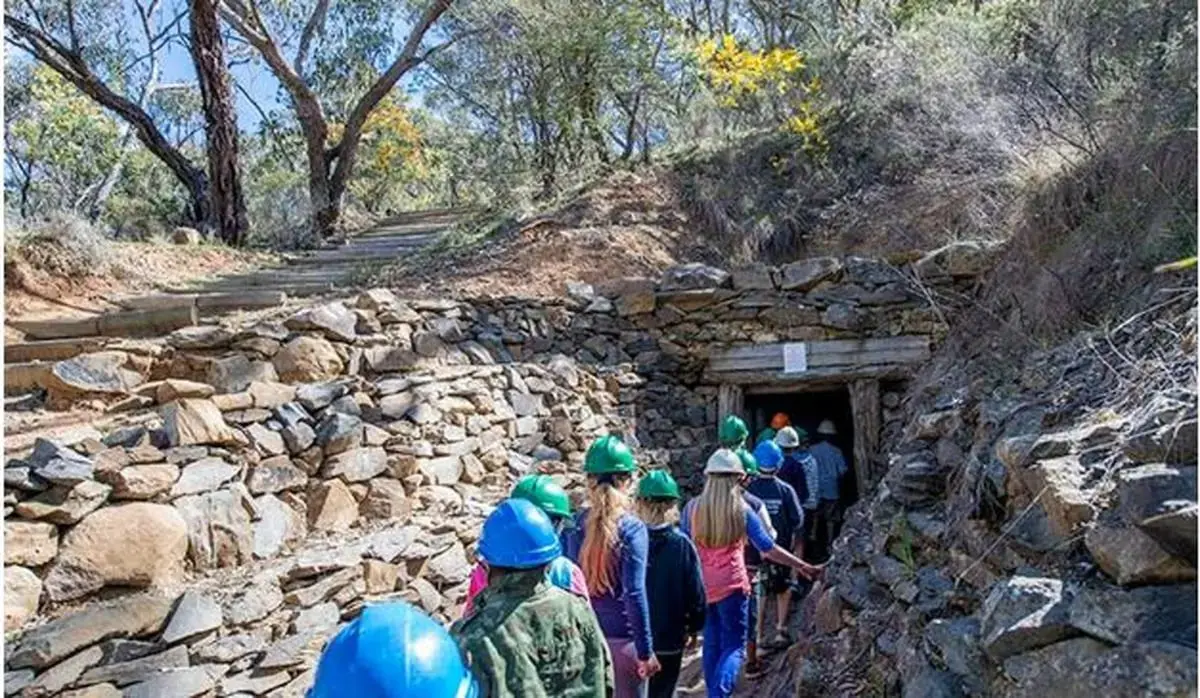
749,463
658,484
608,454
733,431
547,494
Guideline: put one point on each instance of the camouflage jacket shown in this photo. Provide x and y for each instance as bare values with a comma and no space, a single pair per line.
528,639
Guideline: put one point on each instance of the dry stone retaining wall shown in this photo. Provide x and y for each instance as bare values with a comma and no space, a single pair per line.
301,465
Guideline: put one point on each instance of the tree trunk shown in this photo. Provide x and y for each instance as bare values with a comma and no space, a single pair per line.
71,66
228,210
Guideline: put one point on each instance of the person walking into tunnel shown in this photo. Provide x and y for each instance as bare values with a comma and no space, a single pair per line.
753,560
831,468
525,637
720,523
788,519
799,470
778,421
392,650
550,497
674,586
610,544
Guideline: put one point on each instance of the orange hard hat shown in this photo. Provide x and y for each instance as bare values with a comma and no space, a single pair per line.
779,421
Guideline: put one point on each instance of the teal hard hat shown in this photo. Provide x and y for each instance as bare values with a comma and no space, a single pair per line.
392,650
733,431
749,464
519,535
543,491
658,484
608,455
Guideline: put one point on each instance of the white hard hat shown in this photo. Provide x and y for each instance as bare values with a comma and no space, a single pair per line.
787,438
724,461
826,427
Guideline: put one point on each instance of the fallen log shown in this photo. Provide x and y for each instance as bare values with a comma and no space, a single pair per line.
242,300
51,349
130,323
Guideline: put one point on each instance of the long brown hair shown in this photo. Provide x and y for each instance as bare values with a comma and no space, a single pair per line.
601,535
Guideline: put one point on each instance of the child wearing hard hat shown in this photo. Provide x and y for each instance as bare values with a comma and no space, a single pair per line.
610,544
551,498
526,638
788,517
392,650
720,523
674,585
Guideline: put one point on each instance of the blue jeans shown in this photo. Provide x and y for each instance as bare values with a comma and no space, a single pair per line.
725,630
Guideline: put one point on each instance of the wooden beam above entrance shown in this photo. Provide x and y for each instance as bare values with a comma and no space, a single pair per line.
834,360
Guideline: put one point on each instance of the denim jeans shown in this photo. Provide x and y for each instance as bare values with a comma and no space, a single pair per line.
725,631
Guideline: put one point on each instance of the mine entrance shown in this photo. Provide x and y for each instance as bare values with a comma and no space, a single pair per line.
807,410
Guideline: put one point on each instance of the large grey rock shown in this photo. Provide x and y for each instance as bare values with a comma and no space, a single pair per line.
65,505
29,543
693,276
64,674
1164,431
194,422
334,320
137,544
339,432
228,649
1130,556
357,464
98,373
806,274
956,643
390,544
1085,668
205,475
130,616
235,373
319,618
387,500
22,593
1121,616
1174,529
331,507
219,527
200,337
753,277
274,475
254,603
317,396
185,682
449,567
1024,613
140,481
931,683
278,525
442,471
58,464
135,670
195,614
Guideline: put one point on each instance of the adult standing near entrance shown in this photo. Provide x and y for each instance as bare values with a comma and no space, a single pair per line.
831,468
720,522
799,470
611,545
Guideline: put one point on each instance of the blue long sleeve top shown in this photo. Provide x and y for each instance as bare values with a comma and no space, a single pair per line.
831,466
623,612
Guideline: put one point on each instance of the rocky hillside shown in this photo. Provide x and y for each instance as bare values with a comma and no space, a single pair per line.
1036,532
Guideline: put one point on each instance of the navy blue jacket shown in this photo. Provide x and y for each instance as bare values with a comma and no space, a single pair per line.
675,589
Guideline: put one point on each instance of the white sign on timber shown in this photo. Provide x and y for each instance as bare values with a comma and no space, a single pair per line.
795,357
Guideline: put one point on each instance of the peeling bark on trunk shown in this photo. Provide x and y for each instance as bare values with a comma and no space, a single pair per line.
228,209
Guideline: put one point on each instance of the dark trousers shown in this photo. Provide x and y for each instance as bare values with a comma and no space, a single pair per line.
662,684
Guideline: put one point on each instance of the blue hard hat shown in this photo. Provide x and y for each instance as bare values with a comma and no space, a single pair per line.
393,650
519,535
769,455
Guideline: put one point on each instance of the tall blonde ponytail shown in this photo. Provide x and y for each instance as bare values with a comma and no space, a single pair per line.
719,519
607,503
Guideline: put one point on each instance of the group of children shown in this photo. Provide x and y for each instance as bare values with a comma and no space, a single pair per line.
602,602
